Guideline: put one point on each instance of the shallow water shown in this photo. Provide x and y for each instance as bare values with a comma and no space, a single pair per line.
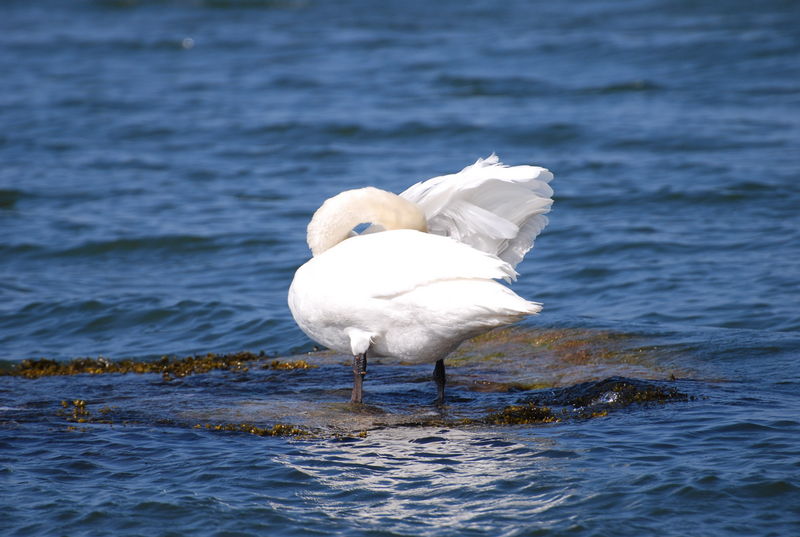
160,161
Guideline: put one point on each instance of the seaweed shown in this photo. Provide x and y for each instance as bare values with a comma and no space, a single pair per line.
525,414
279,429
169,368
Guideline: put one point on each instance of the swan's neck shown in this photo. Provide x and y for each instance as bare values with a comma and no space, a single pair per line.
335,219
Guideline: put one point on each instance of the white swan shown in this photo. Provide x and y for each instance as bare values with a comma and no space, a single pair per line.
421,279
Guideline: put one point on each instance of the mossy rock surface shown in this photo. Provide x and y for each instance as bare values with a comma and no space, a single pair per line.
509,377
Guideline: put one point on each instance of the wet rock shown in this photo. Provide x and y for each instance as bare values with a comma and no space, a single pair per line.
614,392
512,377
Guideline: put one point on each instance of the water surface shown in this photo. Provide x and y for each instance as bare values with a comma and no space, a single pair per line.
160,160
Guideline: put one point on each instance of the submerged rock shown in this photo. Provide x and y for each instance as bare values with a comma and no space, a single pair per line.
613,392
508,377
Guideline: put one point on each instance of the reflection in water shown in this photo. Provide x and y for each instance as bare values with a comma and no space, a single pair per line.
441,478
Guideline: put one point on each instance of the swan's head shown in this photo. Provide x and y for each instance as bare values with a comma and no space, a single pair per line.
335,219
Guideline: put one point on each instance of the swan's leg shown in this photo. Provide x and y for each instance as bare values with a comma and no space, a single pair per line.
440,378
359,370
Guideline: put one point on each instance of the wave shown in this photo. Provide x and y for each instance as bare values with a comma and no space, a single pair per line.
140,327
9,197
545,134
731,193
171,243
466,86
167,244
635,86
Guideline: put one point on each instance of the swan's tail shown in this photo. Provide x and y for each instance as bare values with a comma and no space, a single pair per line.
495,208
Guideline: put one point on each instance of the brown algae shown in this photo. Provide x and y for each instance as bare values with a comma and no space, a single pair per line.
530,376
552,357
79,412
521,415
279,429
288,366
168,367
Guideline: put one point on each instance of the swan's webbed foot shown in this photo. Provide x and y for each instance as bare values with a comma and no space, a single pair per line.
440,378
359,371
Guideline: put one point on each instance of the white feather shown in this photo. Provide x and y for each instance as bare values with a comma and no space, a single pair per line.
495,208
413,295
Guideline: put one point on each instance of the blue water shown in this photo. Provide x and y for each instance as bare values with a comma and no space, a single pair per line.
159,161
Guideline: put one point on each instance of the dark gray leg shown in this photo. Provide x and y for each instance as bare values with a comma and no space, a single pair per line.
440,378
359,370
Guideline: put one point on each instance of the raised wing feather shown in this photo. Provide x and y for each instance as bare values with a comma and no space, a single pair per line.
495,208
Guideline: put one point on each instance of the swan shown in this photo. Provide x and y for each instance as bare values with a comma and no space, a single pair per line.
421,279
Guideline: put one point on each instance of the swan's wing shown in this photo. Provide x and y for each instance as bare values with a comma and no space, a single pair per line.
495,208
412,295
389,264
